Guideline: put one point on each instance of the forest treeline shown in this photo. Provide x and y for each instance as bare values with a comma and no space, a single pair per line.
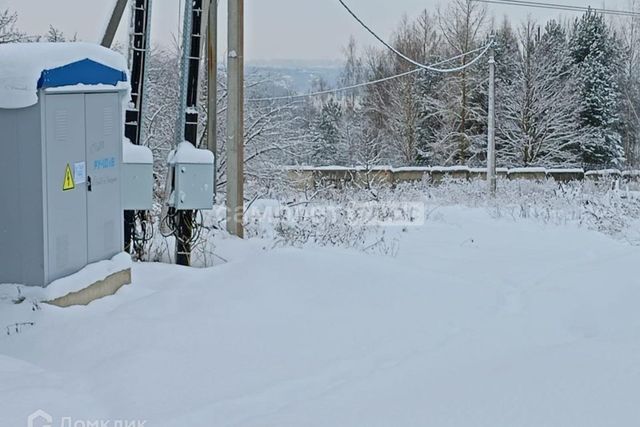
567,94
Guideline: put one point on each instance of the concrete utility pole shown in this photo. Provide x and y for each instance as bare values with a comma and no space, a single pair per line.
235,120
212,111
491,148
114,22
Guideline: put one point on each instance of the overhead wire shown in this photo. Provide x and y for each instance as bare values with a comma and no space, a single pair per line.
559,6
369,83
405,57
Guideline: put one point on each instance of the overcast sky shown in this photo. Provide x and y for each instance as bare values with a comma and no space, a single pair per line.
275,29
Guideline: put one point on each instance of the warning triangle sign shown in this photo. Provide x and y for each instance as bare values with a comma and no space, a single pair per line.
68,180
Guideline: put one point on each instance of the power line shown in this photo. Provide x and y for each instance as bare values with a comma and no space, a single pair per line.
331,91
529,3
558,6
406,58
373,82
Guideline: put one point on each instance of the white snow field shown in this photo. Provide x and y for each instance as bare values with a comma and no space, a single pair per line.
475,322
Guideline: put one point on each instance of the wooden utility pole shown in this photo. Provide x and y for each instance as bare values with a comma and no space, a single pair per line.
212,109
114,22
491,148
235,120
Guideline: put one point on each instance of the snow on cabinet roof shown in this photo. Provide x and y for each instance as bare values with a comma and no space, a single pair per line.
26,67
137,154
186,153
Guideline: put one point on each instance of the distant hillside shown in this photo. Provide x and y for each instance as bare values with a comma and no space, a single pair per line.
297,75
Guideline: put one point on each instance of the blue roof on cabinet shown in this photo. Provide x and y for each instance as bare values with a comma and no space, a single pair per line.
86,72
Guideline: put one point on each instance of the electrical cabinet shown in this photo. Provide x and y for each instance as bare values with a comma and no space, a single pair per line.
60,176
137,177
191,170
193,187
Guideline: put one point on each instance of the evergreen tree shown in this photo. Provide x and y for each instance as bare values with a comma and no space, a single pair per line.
507,54
596,52
430,149
553,44
508,60
329,142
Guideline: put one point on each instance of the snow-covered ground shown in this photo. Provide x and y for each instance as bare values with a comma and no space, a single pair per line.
476,320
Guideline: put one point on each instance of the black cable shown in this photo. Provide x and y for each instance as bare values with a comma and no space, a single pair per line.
558,6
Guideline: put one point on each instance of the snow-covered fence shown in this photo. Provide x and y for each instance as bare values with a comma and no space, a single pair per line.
605,174
533,174
566,175
439,174
339,175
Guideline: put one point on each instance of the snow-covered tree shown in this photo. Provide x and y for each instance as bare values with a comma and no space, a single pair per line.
507,54
630,85
433,145
559,99
352,74
275,132
462,24
329,141
396,107
8,30
55,35
538,121
596,51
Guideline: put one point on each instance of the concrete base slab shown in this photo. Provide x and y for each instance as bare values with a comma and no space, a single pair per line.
95,291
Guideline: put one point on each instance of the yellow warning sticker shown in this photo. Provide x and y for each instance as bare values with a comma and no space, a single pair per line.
69,184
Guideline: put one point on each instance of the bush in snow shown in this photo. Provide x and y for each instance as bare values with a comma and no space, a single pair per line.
594,205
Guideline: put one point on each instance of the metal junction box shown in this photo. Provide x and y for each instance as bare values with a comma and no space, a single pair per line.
192,171
137,177
60,175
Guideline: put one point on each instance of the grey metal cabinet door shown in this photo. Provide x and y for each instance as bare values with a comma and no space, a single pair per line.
104,155
66,200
